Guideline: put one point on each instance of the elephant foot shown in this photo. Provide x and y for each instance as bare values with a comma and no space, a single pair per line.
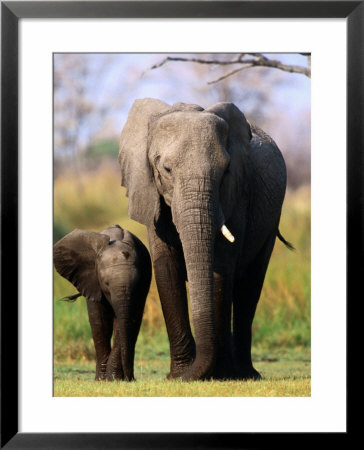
114,375
224,370
172,375
114,369
177,372
109,371
118,377
223,376
100,372
179,367
248,373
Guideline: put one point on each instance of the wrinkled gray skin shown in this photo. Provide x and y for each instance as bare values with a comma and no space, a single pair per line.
112,269
187,172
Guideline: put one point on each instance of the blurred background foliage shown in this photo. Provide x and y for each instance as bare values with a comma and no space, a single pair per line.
92,96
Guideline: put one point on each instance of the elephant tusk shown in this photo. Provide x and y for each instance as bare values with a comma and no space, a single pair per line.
225,231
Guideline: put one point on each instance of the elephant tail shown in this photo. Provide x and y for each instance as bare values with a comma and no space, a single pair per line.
286,243
70,298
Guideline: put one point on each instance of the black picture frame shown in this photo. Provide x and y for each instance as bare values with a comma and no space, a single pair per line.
11,12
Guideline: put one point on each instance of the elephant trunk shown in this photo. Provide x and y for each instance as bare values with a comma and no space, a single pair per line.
197,218
121,300
126,341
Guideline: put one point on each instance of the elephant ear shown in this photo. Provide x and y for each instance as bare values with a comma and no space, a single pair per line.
115,232
136,174
239,136
74,258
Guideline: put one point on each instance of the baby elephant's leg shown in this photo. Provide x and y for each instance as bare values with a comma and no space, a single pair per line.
101,319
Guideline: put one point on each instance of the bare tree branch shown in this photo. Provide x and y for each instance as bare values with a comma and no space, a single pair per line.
256,60
194,60
229,74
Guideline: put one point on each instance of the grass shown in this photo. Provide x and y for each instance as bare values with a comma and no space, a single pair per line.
94,201
286,374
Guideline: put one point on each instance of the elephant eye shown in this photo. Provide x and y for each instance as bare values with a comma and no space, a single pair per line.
126,254
167,169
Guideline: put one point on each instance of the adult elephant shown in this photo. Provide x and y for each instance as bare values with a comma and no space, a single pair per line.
190,173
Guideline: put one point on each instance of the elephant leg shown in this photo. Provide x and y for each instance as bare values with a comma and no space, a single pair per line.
247,290
114,370
170,277
224,366
101,319
225,257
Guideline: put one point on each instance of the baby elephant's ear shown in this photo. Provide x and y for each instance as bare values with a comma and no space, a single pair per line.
74,258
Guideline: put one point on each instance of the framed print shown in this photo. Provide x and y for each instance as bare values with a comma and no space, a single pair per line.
43,45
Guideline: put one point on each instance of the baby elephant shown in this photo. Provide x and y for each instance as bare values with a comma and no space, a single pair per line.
112,269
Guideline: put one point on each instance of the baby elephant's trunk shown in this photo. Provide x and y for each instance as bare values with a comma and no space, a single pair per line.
128,304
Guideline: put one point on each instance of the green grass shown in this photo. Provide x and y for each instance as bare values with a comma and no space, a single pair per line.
94,201
286,374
